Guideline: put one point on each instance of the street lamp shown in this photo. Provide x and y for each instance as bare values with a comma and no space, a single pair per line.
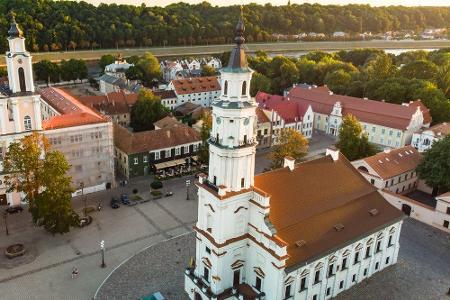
5,217
82,196
102,248
188,183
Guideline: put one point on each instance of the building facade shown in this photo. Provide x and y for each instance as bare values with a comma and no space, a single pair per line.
198,90
425,138
118,69
386,124
286,233
393,170
141,153
20,105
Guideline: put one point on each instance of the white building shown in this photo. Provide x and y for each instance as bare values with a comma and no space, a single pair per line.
20,105
307,231
198,90
424,139
118,68
393,170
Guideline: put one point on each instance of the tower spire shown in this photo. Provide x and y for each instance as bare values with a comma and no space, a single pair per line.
14,31
238,58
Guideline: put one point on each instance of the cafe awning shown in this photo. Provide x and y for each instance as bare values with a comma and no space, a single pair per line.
169,164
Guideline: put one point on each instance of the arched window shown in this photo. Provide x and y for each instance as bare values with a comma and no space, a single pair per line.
27,122
244,88
23,87
225,88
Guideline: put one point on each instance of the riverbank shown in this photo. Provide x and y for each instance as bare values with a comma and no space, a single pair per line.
251,48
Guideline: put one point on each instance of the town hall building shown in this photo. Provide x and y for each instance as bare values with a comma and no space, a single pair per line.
304,231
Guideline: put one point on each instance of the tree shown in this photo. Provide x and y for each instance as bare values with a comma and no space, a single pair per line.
419,69
338,81
149,65
73,69
47,71
380,67
147,110
134,73
208,71
205,132
435,165
353,143
41,175
105,60
3,72
259,83
290,143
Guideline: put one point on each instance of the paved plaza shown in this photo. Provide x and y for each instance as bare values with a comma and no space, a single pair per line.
422,271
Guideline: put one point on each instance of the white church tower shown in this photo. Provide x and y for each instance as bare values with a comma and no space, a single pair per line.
223,208
20,105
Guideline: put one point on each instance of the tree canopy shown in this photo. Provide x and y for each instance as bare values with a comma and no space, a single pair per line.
39,173
353,143
147,110
205,132
435,165
290,143
69,25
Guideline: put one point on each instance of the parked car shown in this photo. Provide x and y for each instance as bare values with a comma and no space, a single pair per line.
14,209
124,199
154,296
114,203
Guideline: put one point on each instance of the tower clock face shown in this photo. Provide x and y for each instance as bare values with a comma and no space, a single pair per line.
19,61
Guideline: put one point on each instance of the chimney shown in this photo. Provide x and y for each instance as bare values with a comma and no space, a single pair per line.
333,152
289,162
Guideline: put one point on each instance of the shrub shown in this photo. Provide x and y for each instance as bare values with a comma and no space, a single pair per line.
135,191
156,185
156,193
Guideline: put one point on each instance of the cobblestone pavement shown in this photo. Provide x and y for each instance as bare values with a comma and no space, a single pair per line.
126,231
422,271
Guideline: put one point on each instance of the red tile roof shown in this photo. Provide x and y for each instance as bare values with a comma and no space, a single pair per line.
307,202
394,162
145,141
196,85
73,112
262,118
442,129
111,103
370,111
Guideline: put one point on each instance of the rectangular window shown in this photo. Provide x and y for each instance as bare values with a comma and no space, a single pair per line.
314,297
383,131
186,149
145,158
387,260
356,258
168,153
242,182
377,265
390,241
328,291
177,151
344,263
287,292
208,250
341,284
373,129
445,224
368,252
354,278
448,210
265,131
157,155
330,270
303,284
317,277
258,283
206,274
136,161
195,147
378,246
365,272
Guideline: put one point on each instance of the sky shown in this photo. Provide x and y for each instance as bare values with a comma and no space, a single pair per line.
282,2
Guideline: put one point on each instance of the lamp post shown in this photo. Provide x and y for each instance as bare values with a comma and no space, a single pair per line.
5,217
82,196
102,248
188,183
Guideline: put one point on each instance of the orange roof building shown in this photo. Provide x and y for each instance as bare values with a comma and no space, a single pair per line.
198,90
83,135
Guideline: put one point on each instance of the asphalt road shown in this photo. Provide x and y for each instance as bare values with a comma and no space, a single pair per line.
214,49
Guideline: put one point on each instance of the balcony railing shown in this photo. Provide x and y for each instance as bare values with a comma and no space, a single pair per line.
231,143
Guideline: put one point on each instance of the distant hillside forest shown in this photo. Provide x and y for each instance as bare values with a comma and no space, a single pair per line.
62,25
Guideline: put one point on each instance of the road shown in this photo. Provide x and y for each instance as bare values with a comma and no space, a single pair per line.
214,49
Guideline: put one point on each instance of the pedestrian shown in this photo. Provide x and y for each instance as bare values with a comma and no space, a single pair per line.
74,272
